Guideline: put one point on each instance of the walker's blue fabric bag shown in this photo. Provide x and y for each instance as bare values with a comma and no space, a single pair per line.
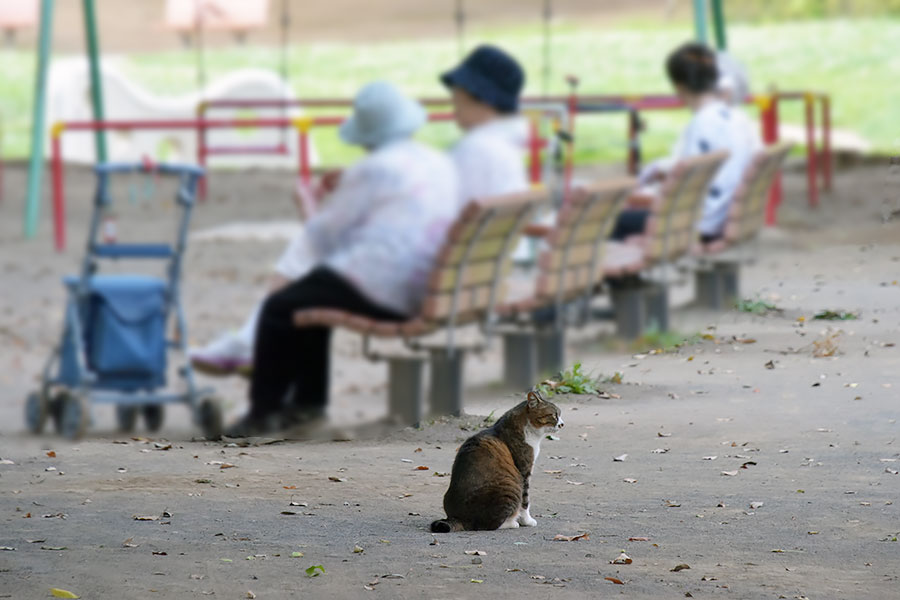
124,333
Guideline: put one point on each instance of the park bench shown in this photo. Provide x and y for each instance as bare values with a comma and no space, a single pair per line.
718,263
465,285
577,258
641,298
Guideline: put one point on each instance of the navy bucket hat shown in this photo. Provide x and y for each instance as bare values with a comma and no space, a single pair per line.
491,75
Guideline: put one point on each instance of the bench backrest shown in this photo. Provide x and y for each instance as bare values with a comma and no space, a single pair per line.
747,213
468,277
673,229
573,263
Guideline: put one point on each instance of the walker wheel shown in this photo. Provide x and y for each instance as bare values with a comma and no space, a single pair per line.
37,409
209,417
154,415
126,417
74,415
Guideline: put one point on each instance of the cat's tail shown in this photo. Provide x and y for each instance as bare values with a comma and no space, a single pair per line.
447,525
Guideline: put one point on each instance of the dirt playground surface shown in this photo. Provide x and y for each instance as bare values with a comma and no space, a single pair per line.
769,471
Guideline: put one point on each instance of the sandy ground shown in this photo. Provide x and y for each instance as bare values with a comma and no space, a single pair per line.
822,433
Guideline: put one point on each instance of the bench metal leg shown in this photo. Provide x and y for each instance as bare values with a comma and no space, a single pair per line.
405,397
656,297
729,278
717,287
706,289
520,359
551,351
446,382
631,311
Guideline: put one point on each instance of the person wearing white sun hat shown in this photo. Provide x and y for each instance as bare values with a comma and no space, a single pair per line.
368,250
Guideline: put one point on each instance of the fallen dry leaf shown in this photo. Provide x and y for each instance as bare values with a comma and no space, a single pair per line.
621,559
571,538
421,468
226,466
289,487
59,593
672,504
615,580
51,453
638,539
681,567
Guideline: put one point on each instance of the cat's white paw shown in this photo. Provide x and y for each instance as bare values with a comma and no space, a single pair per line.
526,519
510,523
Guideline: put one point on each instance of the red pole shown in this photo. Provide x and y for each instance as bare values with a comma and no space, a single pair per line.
201,150
826,142
303,151
811,188
59,202
769,119
534,152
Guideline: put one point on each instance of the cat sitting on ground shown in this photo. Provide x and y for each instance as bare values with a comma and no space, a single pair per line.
489,482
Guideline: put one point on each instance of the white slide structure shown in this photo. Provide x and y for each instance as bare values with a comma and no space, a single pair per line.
69,100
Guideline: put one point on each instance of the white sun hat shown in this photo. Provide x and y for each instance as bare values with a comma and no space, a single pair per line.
381,114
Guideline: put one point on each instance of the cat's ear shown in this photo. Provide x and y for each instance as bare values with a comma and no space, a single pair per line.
534,399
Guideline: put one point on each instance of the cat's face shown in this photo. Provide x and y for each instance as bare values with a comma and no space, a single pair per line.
542,415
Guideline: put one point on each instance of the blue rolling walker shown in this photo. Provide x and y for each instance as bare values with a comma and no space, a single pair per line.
114,345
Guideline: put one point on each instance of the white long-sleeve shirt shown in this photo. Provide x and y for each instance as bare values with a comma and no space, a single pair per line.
384,224
716,126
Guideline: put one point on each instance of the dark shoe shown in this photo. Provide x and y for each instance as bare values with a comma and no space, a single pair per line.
253,426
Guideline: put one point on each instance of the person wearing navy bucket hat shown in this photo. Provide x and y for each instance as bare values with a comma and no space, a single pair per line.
485,91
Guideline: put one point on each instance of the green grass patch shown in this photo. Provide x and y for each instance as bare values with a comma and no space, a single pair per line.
655,341
756,306
836,315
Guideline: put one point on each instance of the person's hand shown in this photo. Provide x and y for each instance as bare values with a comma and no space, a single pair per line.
329,182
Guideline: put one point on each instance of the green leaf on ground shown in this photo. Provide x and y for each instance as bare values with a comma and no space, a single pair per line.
315,571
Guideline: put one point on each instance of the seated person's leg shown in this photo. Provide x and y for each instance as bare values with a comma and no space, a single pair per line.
286,356
629,222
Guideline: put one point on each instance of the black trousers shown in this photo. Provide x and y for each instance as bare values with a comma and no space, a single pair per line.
631,221
288,358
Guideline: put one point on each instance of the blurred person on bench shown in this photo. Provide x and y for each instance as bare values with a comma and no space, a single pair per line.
712,87
485,90
368,251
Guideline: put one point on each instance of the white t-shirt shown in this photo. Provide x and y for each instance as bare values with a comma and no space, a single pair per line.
383,226
715,126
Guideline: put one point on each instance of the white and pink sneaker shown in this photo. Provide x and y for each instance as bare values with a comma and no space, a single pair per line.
229,354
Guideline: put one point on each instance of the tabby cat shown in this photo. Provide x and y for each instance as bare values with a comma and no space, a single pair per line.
489,483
